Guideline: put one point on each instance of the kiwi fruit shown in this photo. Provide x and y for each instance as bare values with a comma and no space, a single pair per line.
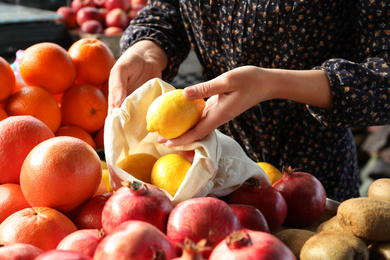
330,224
294,239
380,189
379,250
334,245
366,218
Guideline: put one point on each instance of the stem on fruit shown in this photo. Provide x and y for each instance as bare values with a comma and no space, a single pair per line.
238,239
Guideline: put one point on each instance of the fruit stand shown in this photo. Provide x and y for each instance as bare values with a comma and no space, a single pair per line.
61,198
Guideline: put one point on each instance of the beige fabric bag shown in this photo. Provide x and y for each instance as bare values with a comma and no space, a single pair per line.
220,165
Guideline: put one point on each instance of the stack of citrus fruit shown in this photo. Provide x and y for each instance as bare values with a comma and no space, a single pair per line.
49,167
65,89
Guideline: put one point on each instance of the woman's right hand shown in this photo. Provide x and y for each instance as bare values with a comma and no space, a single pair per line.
143,61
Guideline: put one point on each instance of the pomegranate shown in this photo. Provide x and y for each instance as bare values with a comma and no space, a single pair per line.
136,201
84,241
20,251
250,217
191,250
89,215
264,197
62,254
305,197
250,244
136,240
201,218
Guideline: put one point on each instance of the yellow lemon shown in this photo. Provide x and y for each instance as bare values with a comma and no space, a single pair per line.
104,164
139,165
169,172
106,179
172,114
272,172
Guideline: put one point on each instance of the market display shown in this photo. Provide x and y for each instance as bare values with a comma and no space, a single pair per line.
60,199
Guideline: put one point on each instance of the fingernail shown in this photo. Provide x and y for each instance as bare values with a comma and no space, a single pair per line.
189,92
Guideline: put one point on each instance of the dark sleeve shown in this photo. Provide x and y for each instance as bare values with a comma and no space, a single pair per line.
160,22
361,88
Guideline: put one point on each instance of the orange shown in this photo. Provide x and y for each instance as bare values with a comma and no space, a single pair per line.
3,114
104,89
47,65
7,79
18,85
84,106
62,173
11,200
36,102
93,60
42,227
76,131
18,135
99,139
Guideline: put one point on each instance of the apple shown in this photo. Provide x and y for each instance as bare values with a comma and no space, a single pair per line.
118,18
122,4
88,13
83,240
92,26
134,10
68,17
103,12
78,4
113,30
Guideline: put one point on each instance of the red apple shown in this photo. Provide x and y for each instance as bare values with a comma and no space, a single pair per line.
91,26
88,13
84,241
122,4
99,3
68,17
118,18
134,10
78,4
103,12
109,31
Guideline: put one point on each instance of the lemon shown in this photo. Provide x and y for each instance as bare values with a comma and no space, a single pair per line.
273,173
139,165
169,172
172,114
104,164
106,179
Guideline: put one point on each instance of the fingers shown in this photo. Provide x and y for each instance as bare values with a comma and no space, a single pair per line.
206,89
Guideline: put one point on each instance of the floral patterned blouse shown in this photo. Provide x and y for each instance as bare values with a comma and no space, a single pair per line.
348,39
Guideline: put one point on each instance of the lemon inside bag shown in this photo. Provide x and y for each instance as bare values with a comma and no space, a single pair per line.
219,166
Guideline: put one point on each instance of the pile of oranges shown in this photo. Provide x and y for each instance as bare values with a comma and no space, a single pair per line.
51,125
65,89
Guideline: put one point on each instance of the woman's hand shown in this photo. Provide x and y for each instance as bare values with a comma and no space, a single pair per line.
141,62
237,90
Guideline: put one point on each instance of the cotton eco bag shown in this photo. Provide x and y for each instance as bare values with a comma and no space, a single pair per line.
219,167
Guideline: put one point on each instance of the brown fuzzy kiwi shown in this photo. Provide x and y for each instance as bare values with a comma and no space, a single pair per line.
335,245
294,239
330,224
366,218
380,189
379,250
